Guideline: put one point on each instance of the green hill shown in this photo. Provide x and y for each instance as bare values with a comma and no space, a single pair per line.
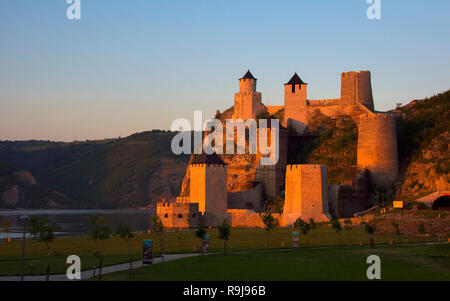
116,173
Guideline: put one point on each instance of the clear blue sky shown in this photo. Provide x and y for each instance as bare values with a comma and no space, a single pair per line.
134,65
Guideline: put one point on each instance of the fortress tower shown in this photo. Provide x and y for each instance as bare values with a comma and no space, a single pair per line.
306,193
356,88
295,105
247,102
208,186
377,147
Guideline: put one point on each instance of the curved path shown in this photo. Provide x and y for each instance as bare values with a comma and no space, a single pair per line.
105,270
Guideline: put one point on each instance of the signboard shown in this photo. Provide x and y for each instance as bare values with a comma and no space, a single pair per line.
398,204
295,240
147,251
205,246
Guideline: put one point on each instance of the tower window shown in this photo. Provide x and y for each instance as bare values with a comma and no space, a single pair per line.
180,215
166,215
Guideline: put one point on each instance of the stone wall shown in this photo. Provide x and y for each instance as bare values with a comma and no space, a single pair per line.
306,193
377,147
208,187
178,214
249,199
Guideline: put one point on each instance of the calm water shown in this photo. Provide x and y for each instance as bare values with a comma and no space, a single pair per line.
76,222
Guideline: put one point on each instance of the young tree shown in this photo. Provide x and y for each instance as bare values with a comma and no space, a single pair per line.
338,228
33,227
303,226
224,233
369,229
158,227
125,233
99,231
336,225
348,224
271,223
47,235
200,234
396,229
312,224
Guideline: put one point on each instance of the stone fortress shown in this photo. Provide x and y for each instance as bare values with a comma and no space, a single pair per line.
207,197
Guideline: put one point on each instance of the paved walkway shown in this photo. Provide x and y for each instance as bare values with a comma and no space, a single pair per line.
105,270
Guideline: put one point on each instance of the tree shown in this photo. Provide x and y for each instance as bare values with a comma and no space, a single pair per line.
348,224
336,225
5,227
302,225
270,222
369,229
312,224
224,233
158,227
396,229
125,233
200,233
99,231
34,228
47,235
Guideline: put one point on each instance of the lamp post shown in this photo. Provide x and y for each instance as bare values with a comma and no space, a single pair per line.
25,219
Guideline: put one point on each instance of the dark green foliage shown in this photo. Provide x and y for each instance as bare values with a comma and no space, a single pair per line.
396,228
336,225
329,142
312,224
224,230
99,230
111,173
348,224
270,221
224,233
369,229
420,122
124,231
302,225
200,233
158,225
279,115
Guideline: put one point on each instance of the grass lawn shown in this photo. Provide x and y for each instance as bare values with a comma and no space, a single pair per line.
421,262
116,251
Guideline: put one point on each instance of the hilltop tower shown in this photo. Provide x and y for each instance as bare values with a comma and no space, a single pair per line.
306,193
295,105
377,147
208,186
356,88
247,102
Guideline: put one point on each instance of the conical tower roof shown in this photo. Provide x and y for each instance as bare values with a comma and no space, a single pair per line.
295,80
248,75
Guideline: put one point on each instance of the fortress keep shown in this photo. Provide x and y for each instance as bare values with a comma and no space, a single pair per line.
208,199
